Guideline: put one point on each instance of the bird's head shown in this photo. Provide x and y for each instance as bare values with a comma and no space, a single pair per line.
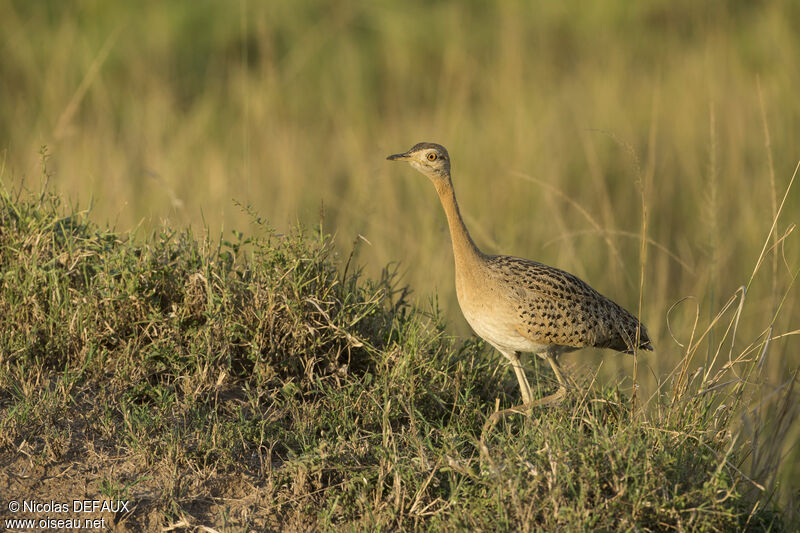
429,158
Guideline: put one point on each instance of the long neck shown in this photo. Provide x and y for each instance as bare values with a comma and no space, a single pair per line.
464,250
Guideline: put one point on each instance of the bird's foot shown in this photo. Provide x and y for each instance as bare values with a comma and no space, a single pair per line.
552,399
523,409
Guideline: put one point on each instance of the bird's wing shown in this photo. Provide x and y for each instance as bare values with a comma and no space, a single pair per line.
556,307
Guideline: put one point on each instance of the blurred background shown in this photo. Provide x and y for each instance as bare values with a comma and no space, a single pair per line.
564,120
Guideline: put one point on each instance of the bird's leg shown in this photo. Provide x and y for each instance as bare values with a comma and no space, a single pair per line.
524,386
562,383
556,369
527,397
528,402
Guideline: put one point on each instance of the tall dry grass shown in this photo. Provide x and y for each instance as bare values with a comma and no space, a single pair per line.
565,122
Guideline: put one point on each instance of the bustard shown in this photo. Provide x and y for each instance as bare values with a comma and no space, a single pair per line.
518,305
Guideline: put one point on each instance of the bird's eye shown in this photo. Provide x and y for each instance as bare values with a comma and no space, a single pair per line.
431,157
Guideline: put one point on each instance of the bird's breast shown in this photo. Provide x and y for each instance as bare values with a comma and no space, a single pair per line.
490,315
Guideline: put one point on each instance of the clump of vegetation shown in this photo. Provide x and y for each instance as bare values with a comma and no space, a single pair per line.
265,383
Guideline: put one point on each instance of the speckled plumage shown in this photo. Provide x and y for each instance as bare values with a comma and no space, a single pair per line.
518,305
556,308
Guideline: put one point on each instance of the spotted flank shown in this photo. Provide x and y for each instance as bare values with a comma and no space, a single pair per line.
556,308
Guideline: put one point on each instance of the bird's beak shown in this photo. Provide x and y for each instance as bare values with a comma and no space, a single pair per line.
399,157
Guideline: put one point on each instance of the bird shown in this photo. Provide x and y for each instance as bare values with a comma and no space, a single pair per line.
522,306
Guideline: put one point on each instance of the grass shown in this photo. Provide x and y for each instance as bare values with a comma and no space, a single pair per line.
266,383
647,148
158,114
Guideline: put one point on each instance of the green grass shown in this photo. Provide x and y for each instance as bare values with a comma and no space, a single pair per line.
155,113
577,134
266,383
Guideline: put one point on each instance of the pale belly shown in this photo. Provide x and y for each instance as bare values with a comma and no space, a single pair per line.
495,319
498,328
